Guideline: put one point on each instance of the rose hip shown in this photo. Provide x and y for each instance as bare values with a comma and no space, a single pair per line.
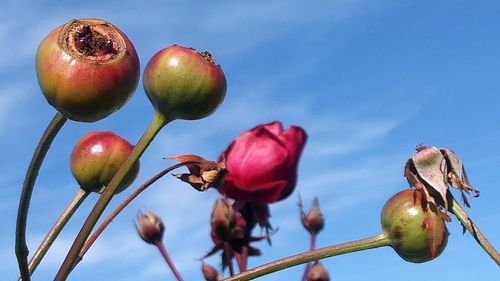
417,232
183,83
87,69
97,157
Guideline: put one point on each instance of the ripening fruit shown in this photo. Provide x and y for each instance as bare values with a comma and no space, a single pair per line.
97,157
183,83
416,233
87,69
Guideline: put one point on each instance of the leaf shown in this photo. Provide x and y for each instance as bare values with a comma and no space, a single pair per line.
430,165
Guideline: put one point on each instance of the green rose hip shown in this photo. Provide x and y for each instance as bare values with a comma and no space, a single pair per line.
183,83
417,233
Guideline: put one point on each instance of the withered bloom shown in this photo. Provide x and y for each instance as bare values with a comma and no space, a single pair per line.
233,237
203,173
433,169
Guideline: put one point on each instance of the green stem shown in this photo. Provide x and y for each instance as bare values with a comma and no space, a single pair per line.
122,206
56,229
158,122
29,182
330,251
474,230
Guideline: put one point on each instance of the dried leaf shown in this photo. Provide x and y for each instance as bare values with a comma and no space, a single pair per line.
430,166
203,173
457,177
455,168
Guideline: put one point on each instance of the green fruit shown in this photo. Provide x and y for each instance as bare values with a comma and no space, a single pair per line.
416,233
182,83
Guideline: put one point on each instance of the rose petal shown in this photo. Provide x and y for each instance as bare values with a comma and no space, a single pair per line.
262,163
257,159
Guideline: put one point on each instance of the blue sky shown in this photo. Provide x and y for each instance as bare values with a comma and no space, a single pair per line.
368,80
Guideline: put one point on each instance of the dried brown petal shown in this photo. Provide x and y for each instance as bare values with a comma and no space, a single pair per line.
203,173
431,168
457,177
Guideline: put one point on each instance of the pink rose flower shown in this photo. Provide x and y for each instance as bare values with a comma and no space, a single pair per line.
262,163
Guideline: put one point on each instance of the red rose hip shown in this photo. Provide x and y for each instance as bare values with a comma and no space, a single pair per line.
183,83
87,69
97,157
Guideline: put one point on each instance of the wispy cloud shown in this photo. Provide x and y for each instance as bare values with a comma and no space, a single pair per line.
11,98
339,138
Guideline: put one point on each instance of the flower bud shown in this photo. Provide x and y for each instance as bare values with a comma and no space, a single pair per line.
223,219
209,272
314,220
317,273
262,163
150,227
416,233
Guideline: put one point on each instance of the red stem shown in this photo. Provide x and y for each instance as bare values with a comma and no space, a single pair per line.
312,246
242,259
228,251
122,206
165,255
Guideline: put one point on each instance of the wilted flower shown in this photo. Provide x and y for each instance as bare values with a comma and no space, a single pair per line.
262,163
203,173
232,234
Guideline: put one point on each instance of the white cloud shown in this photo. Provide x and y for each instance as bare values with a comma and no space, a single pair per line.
22,37
11,99
337,137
